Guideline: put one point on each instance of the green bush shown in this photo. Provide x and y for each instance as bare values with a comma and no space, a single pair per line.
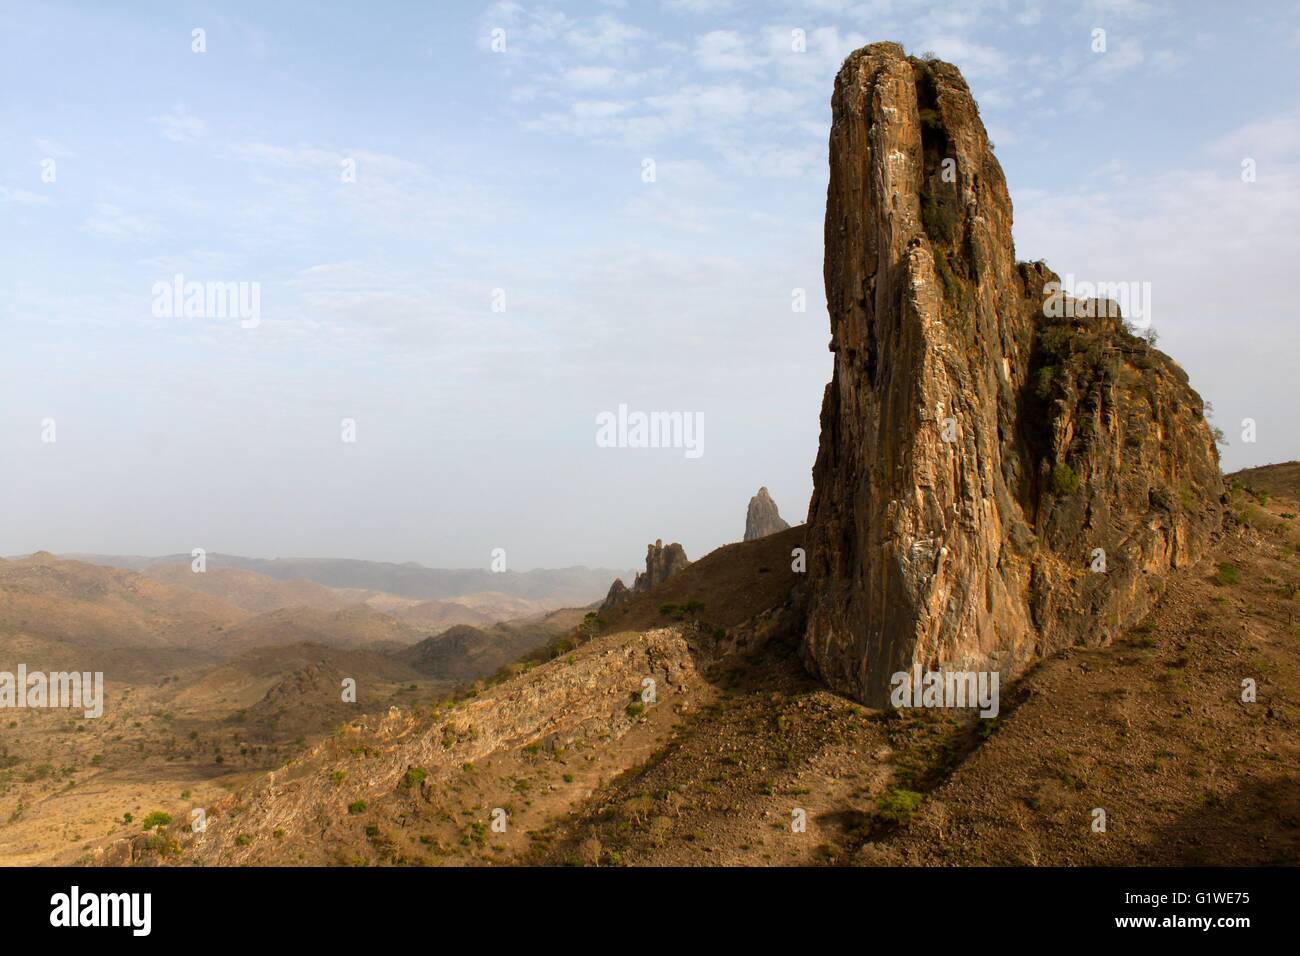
156,819
1043,380
1064,481
939,219
1226,575
414,777
897,805
356,807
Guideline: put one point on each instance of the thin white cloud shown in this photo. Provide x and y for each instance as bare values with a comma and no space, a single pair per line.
22,196
112,222
725,51
179,126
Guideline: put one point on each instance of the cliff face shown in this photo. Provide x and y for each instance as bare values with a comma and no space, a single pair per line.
975,452
762,518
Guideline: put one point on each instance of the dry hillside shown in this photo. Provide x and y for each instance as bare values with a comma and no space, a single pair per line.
739,739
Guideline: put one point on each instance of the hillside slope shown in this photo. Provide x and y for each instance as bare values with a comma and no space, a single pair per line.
415,787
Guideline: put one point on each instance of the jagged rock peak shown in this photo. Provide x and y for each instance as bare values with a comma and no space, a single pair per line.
618,593
661,563
978,450
762,518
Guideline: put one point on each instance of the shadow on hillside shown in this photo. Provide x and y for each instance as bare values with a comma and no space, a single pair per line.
1258,824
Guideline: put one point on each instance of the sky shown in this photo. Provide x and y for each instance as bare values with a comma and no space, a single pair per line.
474,228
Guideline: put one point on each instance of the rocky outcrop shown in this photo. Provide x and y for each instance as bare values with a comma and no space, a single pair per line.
618,594
661,563
762,518
1002,471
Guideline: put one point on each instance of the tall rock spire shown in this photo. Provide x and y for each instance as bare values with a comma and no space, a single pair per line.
979,446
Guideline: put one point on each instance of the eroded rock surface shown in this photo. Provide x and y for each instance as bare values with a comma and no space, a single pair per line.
979,458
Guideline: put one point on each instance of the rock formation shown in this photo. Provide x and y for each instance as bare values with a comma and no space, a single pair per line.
618,593
762,518
1003,471
660,563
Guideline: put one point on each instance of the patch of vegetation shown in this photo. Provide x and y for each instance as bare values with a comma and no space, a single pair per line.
356,807
1064,481
156,819
1226,575
897,805
680,612
414,777
475,834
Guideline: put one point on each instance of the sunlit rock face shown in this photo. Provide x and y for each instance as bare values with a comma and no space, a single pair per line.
1003,471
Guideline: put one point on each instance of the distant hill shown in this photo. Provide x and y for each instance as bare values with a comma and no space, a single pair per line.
294,688
559,587
1280,479
258,593
76,603
465,653
355,626
252,591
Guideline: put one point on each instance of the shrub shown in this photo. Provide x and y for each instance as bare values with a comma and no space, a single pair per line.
156,819
939,219
1226,575
1064,481
414,777
1043,380
897,805
475,833
358,806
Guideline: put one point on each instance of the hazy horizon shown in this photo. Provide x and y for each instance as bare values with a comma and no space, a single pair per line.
457,249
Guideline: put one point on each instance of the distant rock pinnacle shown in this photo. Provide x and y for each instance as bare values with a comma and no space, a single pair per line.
762,518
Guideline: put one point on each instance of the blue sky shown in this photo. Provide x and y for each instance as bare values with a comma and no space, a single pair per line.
521,171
